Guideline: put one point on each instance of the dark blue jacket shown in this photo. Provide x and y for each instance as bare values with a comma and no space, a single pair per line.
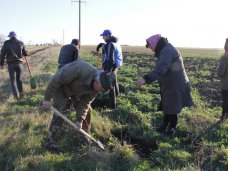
68,53
112,55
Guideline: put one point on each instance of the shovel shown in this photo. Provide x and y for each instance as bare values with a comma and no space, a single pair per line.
32,79
77,129
98,58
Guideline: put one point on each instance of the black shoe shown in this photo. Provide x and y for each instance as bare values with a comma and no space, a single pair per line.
21,95
223,117
170,132
54,148
161,129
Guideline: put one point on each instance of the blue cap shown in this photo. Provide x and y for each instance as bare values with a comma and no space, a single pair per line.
12,34
106,33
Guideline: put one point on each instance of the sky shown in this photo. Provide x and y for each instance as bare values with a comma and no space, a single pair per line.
186,23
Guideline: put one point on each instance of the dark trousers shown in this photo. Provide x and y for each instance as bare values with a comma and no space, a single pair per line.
170,120
113,93
16,73
224,94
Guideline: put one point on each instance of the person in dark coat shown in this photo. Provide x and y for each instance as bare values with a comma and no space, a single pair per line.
222,73
174,84
69,53
112,60
13,50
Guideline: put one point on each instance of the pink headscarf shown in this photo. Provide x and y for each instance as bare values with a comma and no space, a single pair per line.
153,40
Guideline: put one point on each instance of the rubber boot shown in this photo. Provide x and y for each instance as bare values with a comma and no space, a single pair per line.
172,125
223,117
162,128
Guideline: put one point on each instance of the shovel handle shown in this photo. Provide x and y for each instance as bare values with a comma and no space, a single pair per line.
26,61
98,58
75,126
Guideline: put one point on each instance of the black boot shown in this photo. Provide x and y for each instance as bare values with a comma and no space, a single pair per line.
170,132
173,118
223,117
52,147
162,128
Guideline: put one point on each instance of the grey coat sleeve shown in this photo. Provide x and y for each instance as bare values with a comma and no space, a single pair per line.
161,67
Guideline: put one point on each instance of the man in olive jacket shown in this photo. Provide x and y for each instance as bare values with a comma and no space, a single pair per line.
80,81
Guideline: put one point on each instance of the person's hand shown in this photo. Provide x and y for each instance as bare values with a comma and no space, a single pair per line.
1,67
47,104
79,124
140,82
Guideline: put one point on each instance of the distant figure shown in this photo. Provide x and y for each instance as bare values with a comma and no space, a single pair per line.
69,53
81,82
222,73
174,84
112,60
13,50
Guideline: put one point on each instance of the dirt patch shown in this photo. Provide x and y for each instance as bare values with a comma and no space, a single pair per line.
142,146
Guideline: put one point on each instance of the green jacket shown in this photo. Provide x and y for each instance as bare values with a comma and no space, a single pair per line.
74,80
222,71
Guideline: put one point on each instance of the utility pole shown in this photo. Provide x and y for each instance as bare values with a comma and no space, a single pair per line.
79,29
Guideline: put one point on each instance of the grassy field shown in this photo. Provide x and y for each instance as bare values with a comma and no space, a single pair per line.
127,132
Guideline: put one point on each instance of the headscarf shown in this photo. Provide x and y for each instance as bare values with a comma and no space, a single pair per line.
153,40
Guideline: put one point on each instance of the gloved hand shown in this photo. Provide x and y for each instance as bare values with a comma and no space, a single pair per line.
47,104
99,46
140,82
79,124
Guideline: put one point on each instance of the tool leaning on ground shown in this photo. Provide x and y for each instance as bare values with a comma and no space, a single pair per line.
77,129
32,79
98,59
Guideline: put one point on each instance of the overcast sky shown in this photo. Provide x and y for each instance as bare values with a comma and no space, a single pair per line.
186,23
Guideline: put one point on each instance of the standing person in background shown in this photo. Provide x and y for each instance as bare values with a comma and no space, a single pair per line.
174,84
112,60
69,53
222,73
13,50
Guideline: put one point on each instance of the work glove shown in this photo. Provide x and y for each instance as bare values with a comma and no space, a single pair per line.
47,104
140,82
79,124
99,46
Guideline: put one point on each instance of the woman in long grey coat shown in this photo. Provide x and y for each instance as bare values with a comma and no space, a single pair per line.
174,84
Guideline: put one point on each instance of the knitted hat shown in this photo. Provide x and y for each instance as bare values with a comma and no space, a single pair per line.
107,80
